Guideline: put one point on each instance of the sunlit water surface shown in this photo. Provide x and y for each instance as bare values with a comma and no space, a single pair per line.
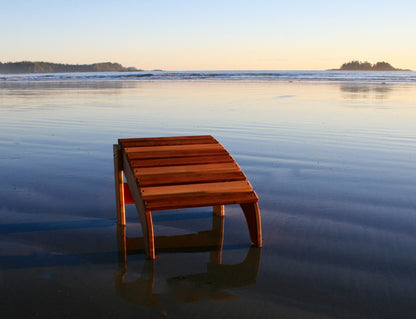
333,164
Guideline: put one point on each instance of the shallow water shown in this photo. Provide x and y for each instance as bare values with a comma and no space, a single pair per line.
333,164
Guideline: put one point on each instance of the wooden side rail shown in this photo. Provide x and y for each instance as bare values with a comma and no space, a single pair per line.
180,172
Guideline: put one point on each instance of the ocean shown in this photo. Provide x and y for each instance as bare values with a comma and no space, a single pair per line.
331,155
158,75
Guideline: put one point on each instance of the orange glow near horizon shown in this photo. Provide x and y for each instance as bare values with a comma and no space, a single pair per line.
215,35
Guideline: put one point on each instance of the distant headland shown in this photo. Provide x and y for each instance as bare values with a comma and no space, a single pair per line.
47,67
367,66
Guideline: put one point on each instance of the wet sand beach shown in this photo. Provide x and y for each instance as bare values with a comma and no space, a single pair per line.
333,163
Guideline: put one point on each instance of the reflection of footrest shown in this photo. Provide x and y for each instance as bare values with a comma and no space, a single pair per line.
181,172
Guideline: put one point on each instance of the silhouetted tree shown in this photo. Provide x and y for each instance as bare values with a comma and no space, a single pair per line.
367,66
383,66
46,67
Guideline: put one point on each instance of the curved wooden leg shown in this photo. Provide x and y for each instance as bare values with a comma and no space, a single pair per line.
148,235
144,214
252,214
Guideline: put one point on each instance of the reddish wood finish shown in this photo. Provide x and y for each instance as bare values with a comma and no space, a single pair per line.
128,197
166,173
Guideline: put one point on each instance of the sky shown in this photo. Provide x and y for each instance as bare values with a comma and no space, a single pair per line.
211,34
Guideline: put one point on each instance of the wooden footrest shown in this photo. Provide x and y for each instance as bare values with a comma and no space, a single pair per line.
181,172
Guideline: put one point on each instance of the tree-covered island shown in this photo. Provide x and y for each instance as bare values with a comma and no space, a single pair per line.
367,66
47,67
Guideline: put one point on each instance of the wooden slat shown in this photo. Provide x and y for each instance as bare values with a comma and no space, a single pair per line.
169,142
212,168
146,149
173,140
176,153
148,193
154,162
167,138
201,200
179,179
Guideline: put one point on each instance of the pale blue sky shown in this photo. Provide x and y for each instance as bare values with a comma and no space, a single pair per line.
215,34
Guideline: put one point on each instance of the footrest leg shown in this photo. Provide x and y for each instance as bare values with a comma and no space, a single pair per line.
122,248
252,214
118,180
218,230
148,234
219,210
